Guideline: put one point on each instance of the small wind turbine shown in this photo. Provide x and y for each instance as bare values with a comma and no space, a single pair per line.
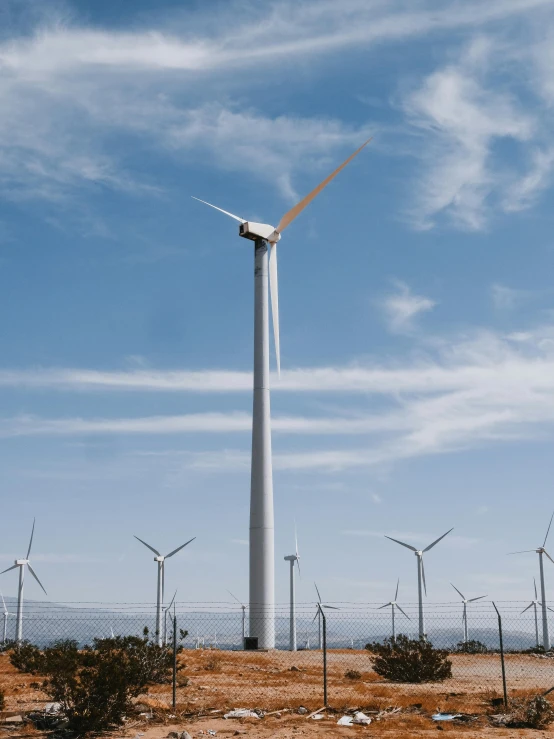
165,616
319,606
465,601
243,616
160,559
533,604
540,551
262,559
393,604
293,558
420,576
6,615
22,563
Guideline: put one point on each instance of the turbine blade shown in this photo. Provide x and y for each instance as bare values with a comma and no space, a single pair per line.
149,547
3,602
548,555
528,607
396,594
31,539
437,540
523,551
471,600
163,581
535,584
550,609
34,574
401,611
333,608
174,596
460,594
240,220
274,293
299,207
235,597
423,575
548,529
386,604
316,588
408,546
9,568
167,556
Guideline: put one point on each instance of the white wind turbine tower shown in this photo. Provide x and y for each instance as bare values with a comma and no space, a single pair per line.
465,601
393,604
166,610
262,551
319,606
293,559
421,584
533,604
7,614
243,607
22,563
540,551
160,559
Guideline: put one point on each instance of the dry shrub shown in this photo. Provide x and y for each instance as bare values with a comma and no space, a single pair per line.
212,664
530,713
407,660
353,675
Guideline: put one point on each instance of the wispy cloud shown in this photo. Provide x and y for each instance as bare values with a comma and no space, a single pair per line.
402,307
506,298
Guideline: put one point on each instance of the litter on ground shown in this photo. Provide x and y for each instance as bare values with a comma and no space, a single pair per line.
241,713
445,716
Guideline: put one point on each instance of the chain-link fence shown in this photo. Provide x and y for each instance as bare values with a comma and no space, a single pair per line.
217,673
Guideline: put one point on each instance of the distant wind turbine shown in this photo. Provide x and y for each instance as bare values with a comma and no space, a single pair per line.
393,604
319,606
160,559
465,601
6,616
22,563
293,559
421,584
168,608
540,551
262,553
243,616
533,604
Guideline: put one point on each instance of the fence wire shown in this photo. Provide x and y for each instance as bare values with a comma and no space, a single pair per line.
217,673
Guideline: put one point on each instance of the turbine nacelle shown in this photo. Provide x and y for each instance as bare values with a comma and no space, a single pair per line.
291,558
159,558
21,562
256,231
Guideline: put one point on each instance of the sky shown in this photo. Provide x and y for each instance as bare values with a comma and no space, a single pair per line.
416,294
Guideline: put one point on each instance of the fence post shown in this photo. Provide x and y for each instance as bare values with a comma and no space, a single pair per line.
502,655
174,662
324,625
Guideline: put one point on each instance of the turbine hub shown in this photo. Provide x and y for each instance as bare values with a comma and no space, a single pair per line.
418,553
159,559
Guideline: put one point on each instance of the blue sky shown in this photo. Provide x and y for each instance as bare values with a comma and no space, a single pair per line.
417,307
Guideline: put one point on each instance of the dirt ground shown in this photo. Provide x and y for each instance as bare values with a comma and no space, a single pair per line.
213,682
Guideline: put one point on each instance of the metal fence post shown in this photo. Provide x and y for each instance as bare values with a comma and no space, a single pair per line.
502,655
174,662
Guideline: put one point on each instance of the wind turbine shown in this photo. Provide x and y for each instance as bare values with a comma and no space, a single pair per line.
243,616
319,606
262,550
533,604
22,563
393,604
540,551
165,616
465,601
420,576
160,559
6,615
293,559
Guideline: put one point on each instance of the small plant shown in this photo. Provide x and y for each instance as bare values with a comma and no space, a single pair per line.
530,713
407,660
26,657
473,646
353,675
213,664
2,700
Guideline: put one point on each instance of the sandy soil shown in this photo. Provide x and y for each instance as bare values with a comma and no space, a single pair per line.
214,681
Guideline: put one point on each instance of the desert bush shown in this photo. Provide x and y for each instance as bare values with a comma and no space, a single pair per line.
26,657
2,700
473,646
410,660
353,675
95,685
212,664
530,713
